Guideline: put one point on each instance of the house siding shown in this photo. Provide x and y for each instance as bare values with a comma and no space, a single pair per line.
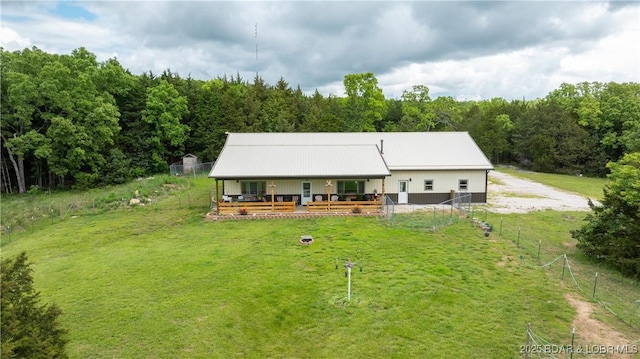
443,183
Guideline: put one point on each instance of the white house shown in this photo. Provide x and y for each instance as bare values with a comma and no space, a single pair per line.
409,167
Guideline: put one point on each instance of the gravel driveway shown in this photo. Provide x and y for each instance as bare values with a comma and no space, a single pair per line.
509,194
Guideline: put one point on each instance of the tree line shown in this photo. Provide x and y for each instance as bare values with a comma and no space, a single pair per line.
72,121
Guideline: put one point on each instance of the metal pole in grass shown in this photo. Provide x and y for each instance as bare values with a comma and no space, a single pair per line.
485,214
451,214
573,337
500,233
348,265
434,218
539,245
595,283
564,264
526,348
518,241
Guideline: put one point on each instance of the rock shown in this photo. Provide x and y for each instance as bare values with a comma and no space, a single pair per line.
134,201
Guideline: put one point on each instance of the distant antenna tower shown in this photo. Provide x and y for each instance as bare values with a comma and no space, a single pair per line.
256,49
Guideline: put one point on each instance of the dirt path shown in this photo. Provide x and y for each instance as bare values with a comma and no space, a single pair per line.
591,334
509,194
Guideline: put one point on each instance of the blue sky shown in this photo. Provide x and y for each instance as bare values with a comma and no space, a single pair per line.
72,10
464,49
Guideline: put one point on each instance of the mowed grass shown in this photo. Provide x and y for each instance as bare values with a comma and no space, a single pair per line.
150,283
588,186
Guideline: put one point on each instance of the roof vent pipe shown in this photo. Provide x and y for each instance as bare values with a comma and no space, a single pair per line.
381,146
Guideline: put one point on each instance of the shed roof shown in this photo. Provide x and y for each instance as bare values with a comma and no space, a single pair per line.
345,154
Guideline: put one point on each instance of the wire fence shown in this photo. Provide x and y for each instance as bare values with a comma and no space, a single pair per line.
45,213
614,292
193,170
427,217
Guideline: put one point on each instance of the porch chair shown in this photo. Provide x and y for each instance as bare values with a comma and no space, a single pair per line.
226,198
334,198
318,198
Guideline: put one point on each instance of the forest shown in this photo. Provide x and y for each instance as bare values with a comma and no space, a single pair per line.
70,121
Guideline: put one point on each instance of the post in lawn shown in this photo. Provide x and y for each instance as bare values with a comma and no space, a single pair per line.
564,264
348,265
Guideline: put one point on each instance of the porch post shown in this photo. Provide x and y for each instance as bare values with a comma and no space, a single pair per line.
273,190
217,200
383,192
329,185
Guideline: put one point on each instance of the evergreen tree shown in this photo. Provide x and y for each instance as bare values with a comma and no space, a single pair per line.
29,329
612,231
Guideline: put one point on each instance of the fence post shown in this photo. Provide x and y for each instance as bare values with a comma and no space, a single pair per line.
564,264
526,348
573,336
451,214
435,224
595,283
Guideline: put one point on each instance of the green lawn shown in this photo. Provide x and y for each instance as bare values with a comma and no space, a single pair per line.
159,281
587,186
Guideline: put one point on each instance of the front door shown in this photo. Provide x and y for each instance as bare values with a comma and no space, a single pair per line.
403,191
306,193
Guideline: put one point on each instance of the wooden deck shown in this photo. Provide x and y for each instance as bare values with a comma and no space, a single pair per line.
290,207
344,206
255,207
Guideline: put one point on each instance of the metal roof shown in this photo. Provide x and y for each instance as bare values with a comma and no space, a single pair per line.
296,161
345,154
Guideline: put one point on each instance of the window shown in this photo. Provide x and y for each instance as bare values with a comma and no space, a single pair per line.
463,185
428,185
258,187
347,187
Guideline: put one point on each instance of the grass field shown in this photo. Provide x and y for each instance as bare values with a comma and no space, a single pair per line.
159,281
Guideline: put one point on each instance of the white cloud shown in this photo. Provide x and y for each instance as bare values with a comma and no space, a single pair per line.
10,39
467,50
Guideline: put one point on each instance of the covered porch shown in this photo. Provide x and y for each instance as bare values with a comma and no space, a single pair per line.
280,178
250,196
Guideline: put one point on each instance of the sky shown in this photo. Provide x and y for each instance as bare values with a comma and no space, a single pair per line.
470,50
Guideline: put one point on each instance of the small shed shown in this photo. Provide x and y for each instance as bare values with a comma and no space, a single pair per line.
189,163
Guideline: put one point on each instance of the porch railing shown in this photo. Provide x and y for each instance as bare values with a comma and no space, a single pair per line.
255,207
344,206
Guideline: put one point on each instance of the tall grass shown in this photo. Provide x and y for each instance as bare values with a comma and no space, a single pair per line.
42,208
